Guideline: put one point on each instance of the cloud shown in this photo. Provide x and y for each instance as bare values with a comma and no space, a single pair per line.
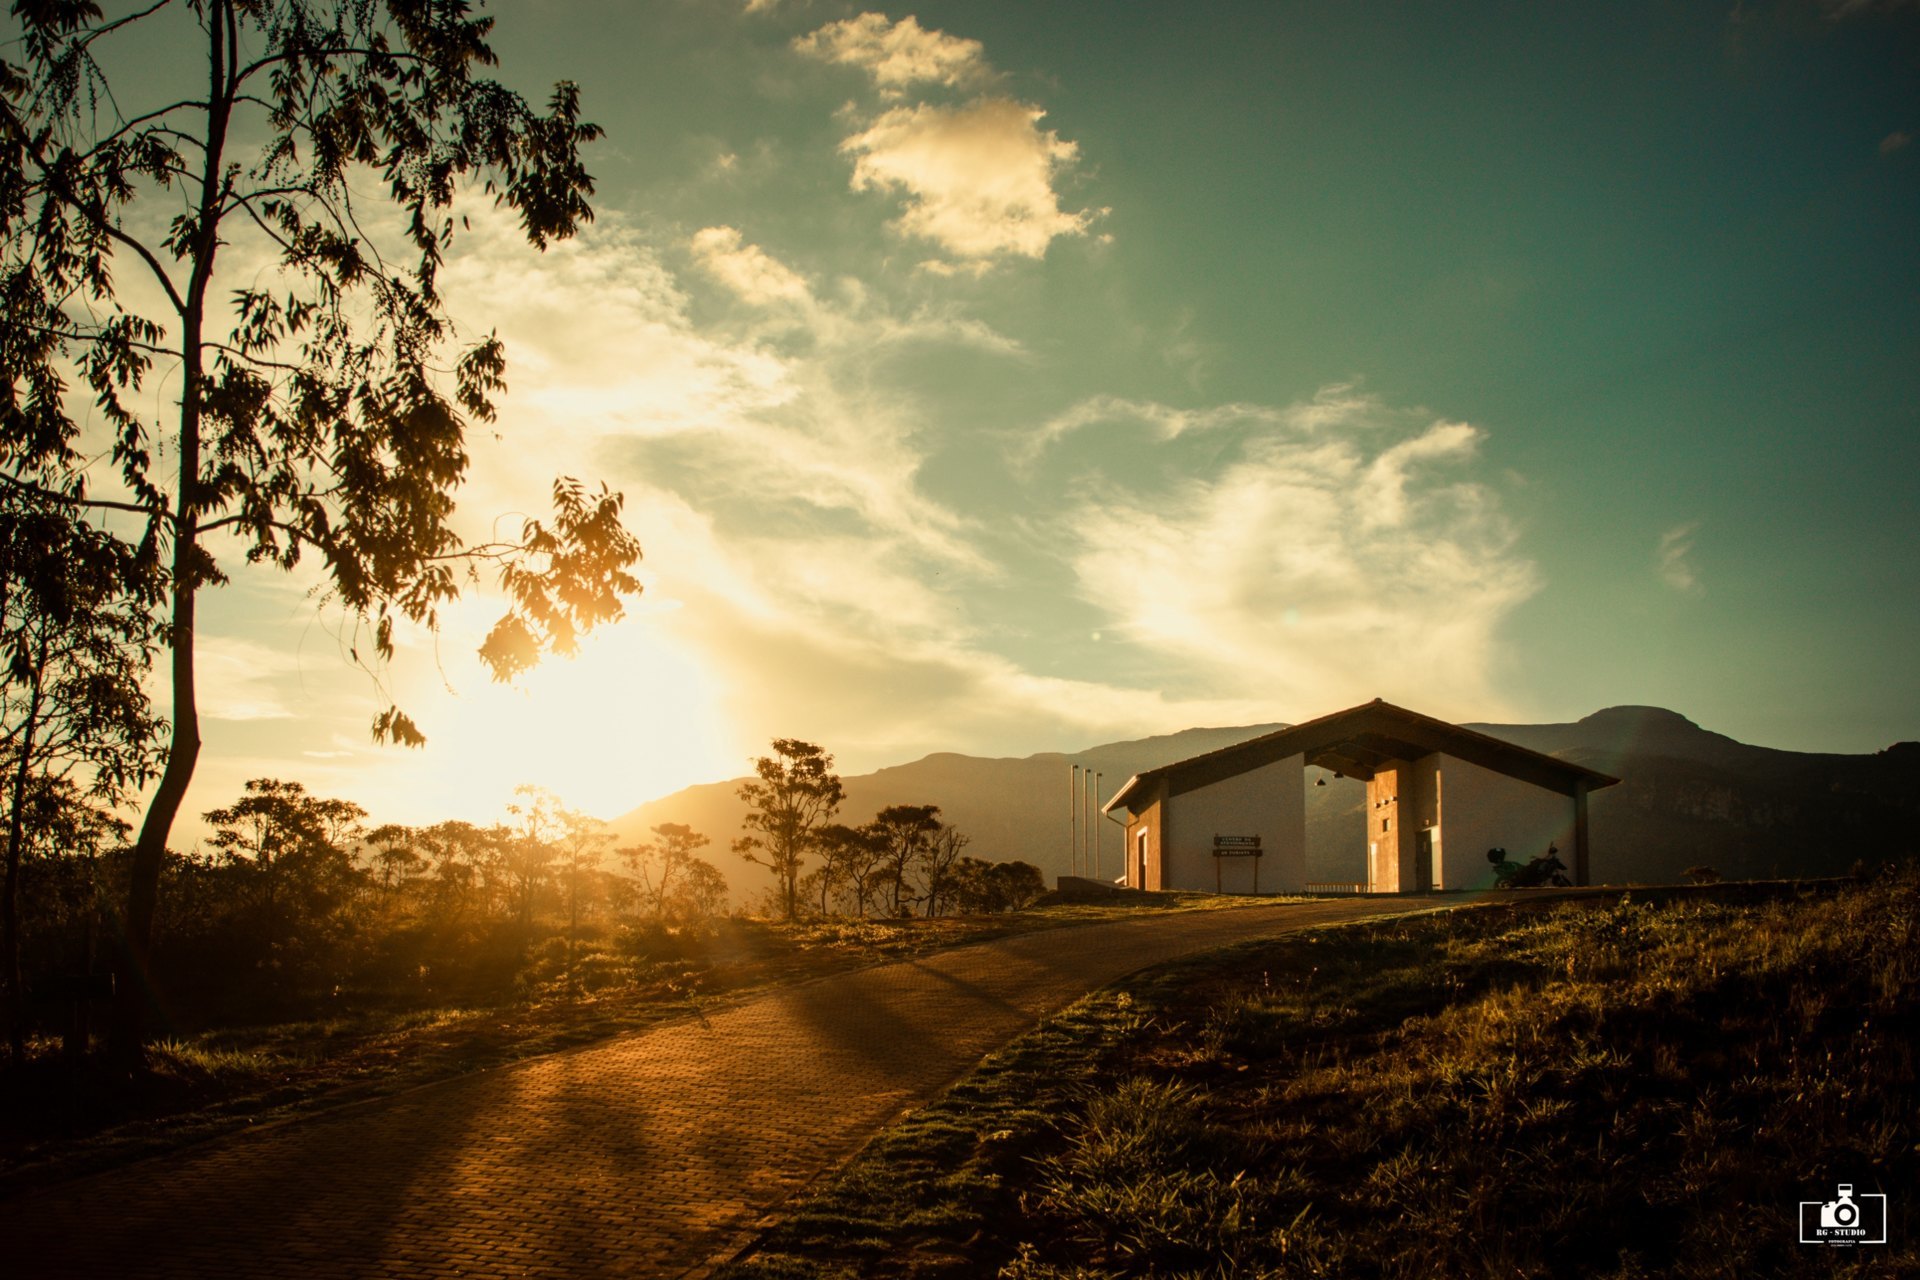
1895,141
897,54
978,178
1387,475
236,679
1334,406
1671,558
747,269
1315,569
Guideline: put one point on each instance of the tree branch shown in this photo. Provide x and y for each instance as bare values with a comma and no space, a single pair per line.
96,504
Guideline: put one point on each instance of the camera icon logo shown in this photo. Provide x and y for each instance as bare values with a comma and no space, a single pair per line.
1847,1219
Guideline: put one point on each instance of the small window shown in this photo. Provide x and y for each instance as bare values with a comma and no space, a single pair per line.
1384,822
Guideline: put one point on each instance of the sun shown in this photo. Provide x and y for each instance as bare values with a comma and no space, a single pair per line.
634,715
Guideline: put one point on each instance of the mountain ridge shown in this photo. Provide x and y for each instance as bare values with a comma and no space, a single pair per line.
1688,796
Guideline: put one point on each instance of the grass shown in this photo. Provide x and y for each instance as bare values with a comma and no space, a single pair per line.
59,1120
1613,1090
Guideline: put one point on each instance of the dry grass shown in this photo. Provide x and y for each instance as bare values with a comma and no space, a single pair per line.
1613,1090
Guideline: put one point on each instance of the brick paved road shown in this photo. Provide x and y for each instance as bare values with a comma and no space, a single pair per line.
653,1154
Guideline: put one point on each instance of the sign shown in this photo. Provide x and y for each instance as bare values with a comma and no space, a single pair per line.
1236,846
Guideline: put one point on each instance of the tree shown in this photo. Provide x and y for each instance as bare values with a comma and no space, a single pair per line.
394,855
978,885
552,833
468,866
904,835
849,857
674,880
76,727
794,792
313,415
291,848
936,866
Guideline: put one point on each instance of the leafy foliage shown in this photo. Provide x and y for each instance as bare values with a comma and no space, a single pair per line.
323,400
76,731
793,793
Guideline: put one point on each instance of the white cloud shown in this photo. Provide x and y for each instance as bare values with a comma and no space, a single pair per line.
1387,474
1312,569
978,178
1672,558
1333,406
897,54
236,679
750,271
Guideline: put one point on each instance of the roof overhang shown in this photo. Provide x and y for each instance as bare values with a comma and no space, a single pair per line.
1358,742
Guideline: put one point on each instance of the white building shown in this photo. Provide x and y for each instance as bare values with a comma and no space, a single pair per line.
1438,798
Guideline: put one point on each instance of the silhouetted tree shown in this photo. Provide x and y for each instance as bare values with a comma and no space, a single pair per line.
311,414
904,835
75,640
848,858
794,792
551,833
468,867
673,880
980,886
289,848
395,859
936,867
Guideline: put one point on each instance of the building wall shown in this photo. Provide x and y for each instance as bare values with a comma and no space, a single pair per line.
1403,800
1482,810
1269,802
1149,823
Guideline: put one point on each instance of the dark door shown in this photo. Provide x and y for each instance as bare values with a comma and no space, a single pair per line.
1423,860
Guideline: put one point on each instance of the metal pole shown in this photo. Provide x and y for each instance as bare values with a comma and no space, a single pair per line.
1073,821
1086,801
1100,823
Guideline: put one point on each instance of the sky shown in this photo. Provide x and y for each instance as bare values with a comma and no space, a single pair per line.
1003,377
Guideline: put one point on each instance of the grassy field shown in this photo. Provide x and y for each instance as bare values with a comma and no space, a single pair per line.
1616,1089
58,1119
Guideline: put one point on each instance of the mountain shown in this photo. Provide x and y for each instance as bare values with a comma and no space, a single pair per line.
1687,797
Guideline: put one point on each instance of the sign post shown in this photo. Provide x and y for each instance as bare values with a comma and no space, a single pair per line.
1236,847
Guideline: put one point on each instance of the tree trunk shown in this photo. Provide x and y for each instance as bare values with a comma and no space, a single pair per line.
16,1005
126,1036
126,1032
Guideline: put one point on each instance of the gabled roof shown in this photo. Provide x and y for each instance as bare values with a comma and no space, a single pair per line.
1356,742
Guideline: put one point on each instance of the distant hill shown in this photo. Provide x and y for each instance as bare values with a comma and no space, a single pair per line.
1687,797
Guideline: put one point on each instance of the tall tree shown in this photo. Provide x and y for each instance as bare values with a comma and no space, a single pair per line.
669,870
291,847
76,727
794,792
322,407
937,861
394,856
847,859
904,835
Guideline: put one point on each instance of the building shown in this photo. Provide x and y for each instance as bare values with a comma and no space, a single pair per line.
1438,798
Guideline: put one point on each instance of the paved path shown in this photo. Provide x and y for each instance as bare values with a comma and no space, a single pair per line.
653,1154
